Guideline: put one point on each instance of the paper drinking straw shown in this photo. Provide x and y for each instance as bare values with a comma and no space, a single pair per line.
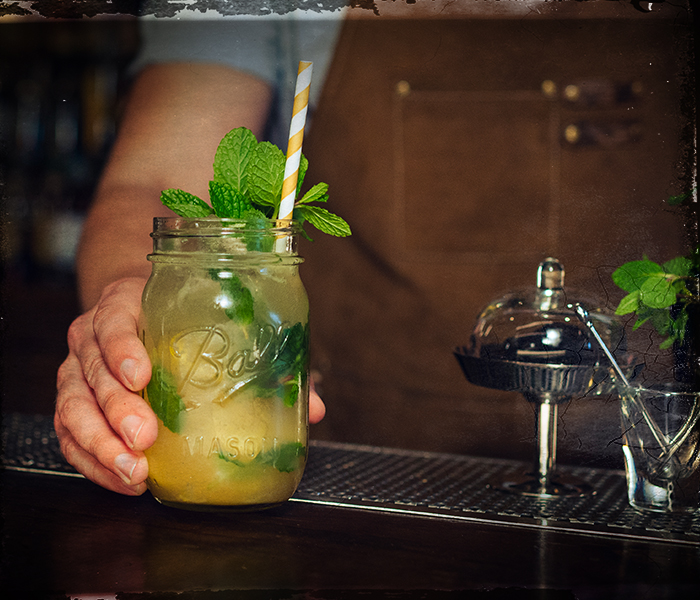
296,135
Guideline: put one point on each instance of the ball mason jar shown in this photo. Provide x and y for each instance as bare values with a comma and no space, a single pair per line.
224,319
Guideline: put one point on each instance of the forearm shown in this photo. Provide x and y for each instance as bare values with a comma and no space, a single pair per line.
115,240
173,123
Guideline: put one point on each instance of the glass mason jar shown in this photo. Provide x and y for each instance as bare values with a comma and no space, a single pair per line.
225,322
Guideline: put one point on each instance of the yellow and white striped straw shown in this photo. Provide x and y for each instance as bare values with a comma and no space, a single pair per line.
296,135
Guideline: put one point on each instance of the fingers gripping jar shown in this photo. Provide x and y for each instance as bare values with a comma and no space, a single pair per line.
225,322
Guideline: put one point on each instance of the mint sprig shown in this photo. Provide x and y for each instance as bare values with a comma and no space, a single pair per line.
653,289
247,184
664,295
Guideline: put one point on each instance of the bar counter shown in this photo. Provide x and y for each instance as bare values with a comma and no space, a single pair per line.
366,522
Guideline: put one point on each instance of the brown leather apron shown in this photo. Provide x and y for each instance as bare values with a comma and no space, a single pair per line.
446,148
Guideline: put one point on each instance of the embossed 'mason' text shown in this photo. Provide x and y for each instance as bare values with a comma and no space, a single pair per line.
229,447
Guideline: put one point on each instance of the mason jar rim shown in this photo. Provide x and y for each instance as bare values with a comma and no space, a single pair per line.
212,225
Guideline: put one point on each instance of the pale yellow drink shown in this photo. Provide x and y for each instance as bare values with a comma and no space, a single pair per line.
224,321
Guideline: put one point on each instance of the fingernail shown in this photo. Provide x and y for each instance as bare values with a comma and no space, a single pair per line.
129,370
131,427
126,463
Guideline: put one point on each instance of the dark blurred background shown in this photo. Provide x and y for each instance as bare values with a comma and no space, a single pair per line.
610,101
61,83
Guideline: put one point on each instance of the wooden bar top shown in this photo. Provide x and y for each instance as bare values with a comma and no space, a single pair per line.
65,535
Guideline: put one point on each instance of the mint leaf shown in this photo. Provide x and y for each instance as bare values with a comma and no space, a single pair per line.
227,201
266,175
289,392
164,399
318,193
286,368
667,343
232,158
292,353
657,291
257,238
632,275
300,219
628,304
680,266
681,198
661,320
240,300
241,310
324,220
185,204
285,458
680,325
676,200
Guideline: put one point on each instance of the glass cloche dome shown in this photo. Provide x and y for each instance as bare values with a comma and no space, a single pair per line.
534,342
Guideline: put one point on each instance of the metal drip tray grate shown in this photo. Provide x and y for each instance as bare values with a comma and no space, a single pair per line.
457,487
418,483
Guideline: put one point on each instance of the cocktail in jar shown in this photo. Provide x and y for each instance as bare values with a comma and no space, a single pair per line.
226,329
225,322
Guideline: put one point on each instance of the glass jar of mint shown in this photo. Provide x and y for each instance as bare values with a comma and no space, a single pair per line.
225,322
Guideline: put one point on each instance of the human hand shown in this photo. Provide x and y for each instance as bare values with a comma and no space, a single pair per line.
317,409
103,425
